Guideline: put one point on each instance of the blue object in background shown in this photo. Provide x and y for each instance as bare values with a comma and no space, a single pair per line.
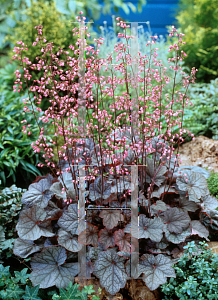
160,13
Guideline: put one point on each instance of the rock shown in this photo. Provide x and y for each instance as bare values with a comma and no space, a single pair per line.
139,291
118,296
214,246
202,152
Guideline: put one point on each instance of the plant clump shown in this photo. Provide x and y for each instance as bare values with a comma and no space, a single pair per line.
96,166
196,275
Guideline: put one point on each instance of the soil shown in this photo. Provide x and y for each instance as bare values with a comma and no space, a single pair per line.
133,290
202,152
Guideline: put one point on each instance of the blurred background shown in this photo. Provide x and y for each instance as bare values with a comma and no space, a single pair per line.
198,19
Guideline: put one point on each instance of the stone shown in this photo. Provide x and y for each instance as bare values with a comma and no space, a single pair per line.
214,246
135,288
139,291
202,152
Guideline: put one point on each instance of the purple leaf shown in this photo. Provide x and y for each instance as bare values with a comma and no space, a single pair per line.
38,194
199,229
132,271
68,241
111,218
156,269
96,190
52,211
49,268
70,193
123,241
124,254
94,251
159,205
69,220
151,171
148,228
107,238
31,226
208,216
176,220
176,238
110,269
89,236
196,185
24,248
130,158
209,202
160,191
187,205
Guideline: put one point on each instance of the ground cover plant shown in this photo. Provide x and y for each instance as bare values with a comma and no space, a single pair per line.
173,206
11,288
196,275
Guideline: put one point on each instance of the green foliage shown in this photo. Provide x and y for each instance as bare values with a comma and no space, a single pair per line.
17,158
10,207
196,277
13,12
7,76
198,19
10,288
202,117
212,182
72,292
56,29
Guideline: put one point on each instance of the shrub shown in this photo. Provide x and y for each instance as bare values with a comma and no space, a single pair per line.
57,28
17,158
202,117
172,205
212,182
198,19
196,275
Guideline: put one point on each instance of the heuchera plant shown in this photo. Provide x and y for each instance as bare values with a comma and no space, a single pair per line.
171,203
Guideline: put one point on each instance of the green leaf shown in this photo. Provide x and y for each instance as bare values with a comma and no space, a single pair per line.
28,150
7,164
24,143
89,289
4,152
28,3
33,169
2,174
31,293
3,294
125,8
13,292
70,293
10,130
132,7
8,138
22,276
11,173
72,5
